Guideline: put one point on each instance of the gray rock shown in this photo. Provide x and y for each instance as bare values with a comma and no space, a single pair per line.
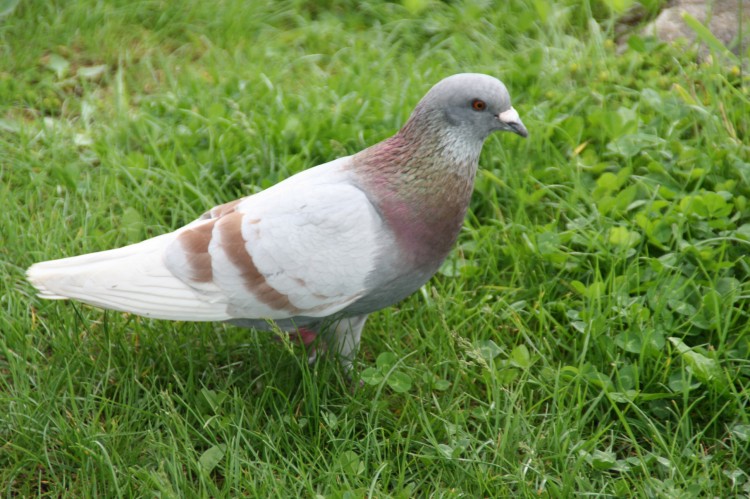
720,16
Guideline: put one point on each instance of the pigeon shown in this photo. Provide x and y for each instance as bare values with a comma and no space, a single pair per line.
316,253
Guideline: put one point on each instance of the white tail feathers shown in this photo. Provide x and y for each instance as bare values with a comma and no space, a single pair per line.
130,279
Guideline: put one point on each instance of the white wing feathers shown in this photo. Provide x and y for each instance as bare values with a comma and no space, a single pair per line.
129,279
303,247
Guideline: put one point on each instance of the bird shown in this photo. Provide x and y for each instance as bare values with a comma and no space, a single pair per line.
316,253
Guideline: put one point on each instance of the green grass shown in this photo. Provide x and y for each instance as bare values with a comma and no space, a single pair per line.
589,335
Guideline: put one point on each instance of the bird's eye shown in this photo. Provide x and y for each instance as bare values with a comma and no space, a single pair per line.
478,105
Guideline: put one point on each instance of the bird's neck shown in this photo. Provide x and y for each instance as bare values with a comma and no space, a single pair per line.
421,183
421,161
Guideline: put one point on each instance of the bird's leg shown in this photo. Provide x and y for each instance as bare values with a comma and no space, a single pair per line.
344,339
307,337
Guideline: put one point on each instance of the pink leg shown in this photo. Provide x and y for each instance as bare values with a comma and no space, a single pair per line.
303,336
306,336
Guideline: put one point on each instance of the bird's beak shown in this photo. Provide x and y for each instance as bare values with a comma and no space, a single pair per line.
513,122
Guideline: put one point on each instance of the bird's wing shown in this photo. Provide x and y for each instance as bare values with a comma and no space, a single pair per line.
304,247
301,248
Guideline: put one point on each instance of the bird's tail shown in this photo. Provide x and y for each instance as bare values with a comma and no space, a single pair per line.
130,279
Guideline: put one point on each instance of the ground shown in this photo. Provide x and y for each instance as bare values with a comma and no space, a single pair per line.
589,334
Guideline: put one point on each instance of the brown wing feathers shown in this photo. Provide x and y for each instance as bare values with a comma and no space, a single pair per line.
228,227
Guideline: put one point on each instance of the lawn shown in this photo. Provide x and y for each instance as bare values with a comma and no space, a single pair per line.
588,336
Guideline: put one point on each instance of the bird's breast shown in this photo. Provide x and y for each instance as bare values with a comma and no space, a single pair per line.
426,228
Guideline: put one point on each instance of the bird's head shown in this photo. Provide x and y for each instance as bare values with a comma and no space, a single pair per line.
471,104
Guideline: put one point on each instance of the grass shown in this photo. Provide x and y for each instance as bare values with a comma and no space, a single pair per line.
589,335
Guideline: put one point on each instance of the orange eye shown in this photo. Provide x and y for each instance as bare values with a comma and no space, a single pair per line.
478,105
